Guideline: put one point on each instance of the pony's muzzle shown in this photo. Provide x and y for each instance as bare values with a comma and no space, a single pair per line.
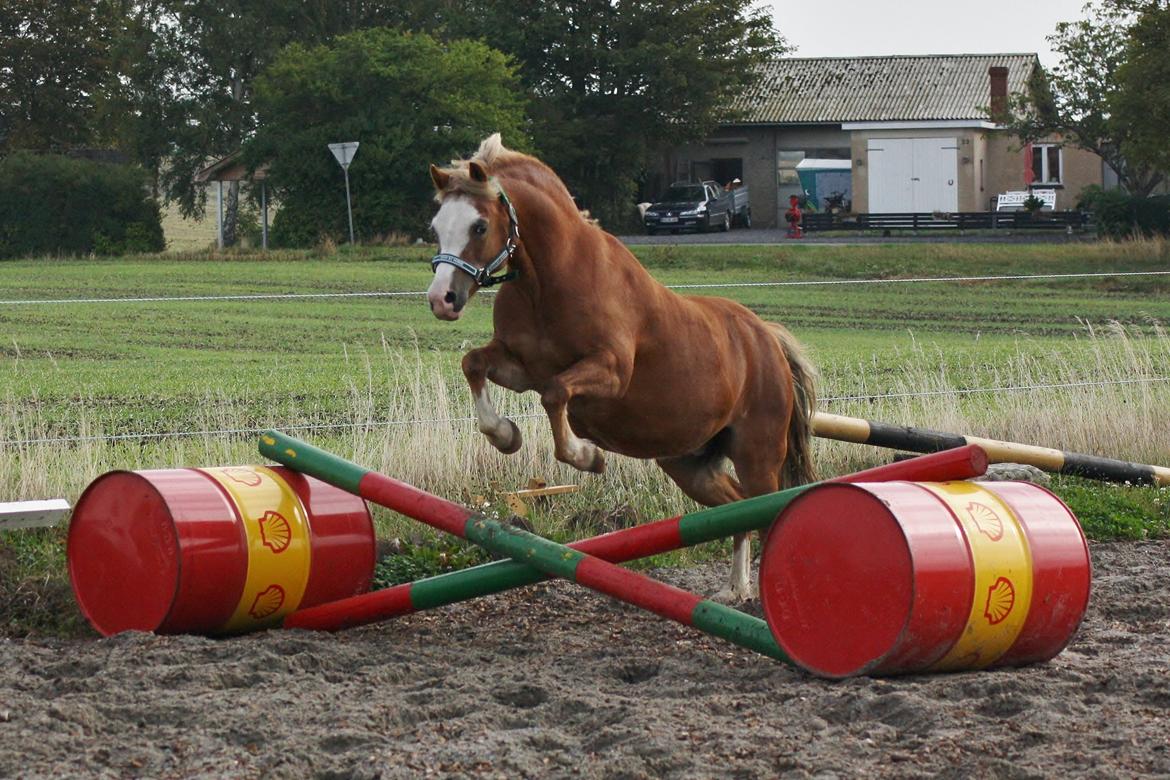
449,306
448,294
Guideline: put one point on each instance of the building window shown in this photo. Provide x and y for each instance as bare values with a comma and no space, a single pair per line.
727,169
1046,164
786,168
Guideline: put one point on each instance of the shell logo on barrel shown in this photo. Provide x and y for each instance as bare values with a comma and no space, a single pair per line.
279,556
267,602
986,520
275,531
243,476
1001,597
1002,567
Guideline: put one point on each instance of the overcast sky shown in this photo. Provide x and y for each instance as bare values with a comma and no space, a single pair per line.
847,28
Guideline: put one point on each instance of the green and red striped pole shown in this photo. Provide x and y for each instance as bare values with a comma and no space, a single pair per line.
628,544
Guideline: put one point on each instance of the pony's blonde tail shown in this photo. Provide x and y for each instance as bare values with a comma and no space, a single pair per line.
798,468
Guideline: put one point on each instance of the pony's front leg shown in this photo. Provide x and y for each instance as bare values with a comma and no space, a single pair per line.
496,363
598,376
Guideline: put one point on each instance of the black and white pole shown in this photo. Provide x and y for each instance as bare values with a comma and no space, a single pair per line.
344,153
878,434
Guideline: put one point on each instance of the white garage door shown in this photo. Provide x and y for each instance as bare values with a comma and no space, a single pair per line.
913,175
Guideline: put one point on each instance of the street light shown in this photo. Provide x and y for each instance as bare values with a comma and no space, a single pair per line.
344,153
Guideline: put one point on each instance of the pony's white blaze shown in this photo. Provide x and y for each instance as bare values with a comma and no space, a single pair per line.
452,226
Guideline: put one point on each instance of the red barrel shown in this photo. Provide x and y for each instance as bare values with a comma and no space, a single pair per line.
214,550
898,577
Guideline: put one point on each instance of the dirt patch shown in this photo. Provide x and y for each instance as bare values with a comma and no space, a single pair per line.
36,605
555,681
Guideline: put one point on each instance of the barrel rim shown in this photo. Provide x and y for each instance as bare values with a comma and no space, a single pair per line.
71,559
874,663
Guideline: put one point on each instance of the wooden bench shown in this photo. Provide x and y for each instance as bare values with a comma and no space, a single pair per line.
1014,201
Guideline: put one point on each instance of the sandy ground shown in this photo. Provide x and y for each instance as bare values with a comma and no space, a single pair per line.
553,681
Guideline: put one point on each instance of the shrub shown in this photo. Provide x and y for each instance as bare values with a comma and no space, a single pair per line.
1121,215
50,204
1032,203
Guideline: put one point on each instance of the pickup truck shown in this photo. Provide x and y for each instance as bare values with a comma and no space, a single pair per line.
702,206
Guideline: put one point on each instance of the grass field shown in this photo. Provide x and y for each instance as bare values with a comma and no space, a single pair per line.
86,387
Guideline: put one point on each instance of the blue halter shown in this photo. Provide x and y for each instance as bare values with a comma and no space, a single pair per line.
483,276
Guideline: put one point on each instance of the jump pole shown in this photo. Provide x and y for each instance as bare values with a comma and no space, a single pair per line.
859,431
625,545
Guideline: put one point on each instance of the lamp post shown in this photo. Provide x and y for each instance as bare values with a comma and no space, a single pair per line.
344,153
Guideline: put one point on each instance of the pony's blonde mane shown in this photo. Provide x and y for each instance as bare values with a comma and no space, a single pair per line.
499,160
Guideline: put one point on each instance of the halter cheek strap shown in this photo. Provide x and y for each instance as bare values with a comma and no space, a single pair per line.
483,276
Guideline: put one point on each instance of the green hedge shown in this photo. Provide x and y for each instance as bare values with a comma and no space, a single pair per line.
1121,215
51,204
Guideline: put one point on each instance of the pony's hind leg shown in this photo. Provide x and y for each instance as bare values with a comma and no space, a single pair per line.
705,479
758,461
496,363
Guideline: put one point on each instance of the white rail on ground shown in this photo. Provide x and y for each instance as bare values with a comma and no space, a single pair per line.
32,514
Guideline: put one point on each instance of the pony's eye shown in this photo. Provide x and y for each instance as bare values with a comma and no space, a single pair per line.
480,228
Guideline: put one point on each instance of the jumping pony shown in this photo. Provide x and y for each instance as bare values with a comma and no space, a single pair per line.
621,363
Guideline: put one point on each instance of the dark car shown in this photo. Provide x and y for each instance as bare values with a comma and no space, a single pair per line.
702,206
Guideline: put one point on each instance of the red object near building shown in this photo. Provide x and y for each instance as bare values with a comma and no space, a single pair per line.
794,217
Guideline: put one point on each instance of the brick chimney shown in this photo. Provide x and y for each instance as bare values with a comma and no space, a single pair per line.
999,93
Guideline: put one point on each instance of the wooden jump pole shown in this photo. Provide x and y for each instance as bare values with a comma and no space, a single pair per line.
628,544
859,431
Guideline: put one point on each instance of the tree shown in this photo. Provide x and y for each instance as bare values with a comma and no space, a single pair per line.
1141,105
613,83
1076,99
407,98
188,68
54,72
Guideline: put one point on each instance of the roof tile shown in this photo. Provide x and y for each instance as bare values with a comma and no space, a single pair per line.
872,89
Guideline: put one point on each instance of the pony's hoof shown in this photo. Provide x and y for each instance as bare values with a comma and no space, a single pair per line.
597,465
513,443
734,596
583,455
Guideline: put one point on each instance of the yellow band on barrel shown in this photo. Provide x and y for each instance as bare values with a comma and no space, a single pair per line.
1002,565
277,529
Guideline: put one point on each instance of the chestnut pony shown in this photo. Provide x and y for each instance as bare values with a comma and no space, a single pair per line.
621,363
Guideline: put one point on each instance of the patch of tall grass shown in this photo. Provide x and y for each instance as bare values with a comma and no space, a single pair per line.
1108,401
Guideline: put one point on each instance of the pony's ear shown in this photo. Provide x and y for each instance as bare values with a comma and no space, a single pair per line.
478,172
440,178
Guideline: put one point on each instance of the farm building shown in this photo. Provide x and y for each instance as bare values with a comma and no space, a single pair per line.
886,134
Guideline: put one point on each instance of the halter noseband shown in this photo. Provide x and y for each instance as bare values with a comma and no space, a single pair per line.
483,276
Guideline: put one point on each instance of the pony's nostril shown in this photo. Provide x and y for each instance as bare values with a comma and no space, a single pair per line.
449,297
